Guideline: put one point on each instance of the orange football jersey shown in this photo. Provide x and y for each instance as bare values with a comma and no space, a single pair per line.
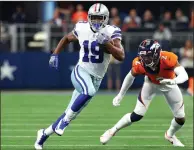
168,61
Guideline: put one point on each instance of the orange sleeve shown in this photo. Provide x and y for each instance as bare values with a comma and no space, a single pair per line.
136,66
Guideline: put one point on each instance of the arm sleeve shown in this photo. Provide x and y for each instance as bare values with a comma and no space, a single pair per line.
115,32
182,75
128,81
75,30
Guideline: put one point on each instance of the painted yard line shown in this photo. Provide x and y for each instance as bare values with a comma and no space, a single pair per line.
112,146
74,130
84,118
78,124
148,137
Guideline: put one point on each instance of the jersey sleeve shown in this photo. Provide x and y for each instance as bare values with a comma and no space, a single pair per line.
136,66
170,60
115,32
76,29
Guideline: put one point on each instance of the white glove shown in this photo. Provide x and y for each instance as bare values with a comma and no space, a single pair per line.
116,101
168,81
102,38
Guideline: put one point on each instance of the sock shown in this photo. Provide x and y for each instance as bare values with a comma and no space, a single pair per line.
79,102
73,98
69,115
174,127
54,125
123,122
48,131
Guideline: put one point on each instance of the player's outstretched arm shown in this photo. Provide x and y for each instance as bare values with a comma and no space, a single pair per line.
116,50
128,81
64,42
53,62
181,77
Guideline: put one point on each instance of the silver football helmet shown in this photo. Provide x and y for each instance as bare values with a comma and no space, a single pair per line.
98,16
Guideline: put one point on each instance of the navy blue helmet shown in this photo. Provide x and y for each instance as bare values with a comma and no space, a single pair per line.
149,52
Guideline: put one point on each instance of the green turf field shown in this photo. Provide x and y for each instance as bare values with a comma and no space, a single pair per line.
22,114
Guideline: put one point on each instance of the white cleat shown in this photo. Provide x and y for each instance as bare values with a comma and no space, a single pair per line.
173,140
41,138
106,136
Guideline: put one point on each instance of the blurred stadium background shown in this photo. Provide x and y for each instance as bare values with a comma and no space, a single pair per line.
30,30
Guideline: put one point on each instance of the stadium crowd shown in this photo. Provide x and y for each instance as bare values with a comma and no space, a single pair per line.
161,26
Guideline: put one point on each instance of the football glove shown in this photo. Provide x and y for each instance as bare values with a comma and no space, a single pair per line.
116,101
102,38
168,81
53,62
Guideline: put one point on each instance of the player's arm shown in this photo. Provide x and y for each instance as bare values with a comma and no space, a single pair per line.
181,73
128,81
53,62
64,42
181,77
116,50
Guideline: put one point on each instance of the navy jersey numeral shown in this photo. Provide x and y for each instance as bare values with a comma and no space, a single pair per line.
97,55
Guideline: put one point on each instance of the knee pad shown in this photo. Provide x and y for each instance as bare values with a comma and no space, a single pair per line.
180,121
135,117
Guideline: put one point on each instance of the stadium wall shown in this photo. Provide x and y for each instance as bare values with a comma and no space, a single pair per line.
33,72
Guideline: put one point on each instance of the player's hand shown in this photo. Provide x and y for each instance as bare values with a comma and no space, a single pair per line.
116,101
53,62
168,81
102,38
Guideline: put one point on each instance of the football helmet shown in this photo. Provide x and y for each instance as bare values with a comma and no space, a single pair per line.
98,16
149,52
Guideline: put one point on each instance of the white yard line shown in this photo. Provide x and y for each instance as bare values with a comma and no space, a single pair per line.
96,130
86,136
112,146
95,125
84,118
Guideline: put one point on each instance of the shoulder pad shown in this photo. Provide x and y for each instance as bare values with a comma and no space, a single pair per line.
169,59
114,32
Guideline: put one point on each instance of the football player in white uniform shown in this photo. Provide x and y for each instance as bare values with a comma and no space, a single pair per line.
97,42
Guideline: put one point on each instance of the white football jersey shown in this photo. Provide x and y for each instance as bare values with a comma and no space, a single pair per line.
94,60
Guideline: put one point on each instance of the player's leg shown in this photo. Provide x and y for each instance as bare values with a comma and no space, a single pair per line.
43,134
175,100
144,99
83,83
80,98
51,128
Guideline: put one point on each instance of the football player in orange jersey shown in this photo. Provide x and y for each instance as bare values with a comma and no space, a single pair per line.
162,72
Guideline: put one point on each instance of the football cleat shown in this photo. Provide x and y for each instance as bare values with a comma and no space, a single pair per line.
106,136
173,140
41,138
59,130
